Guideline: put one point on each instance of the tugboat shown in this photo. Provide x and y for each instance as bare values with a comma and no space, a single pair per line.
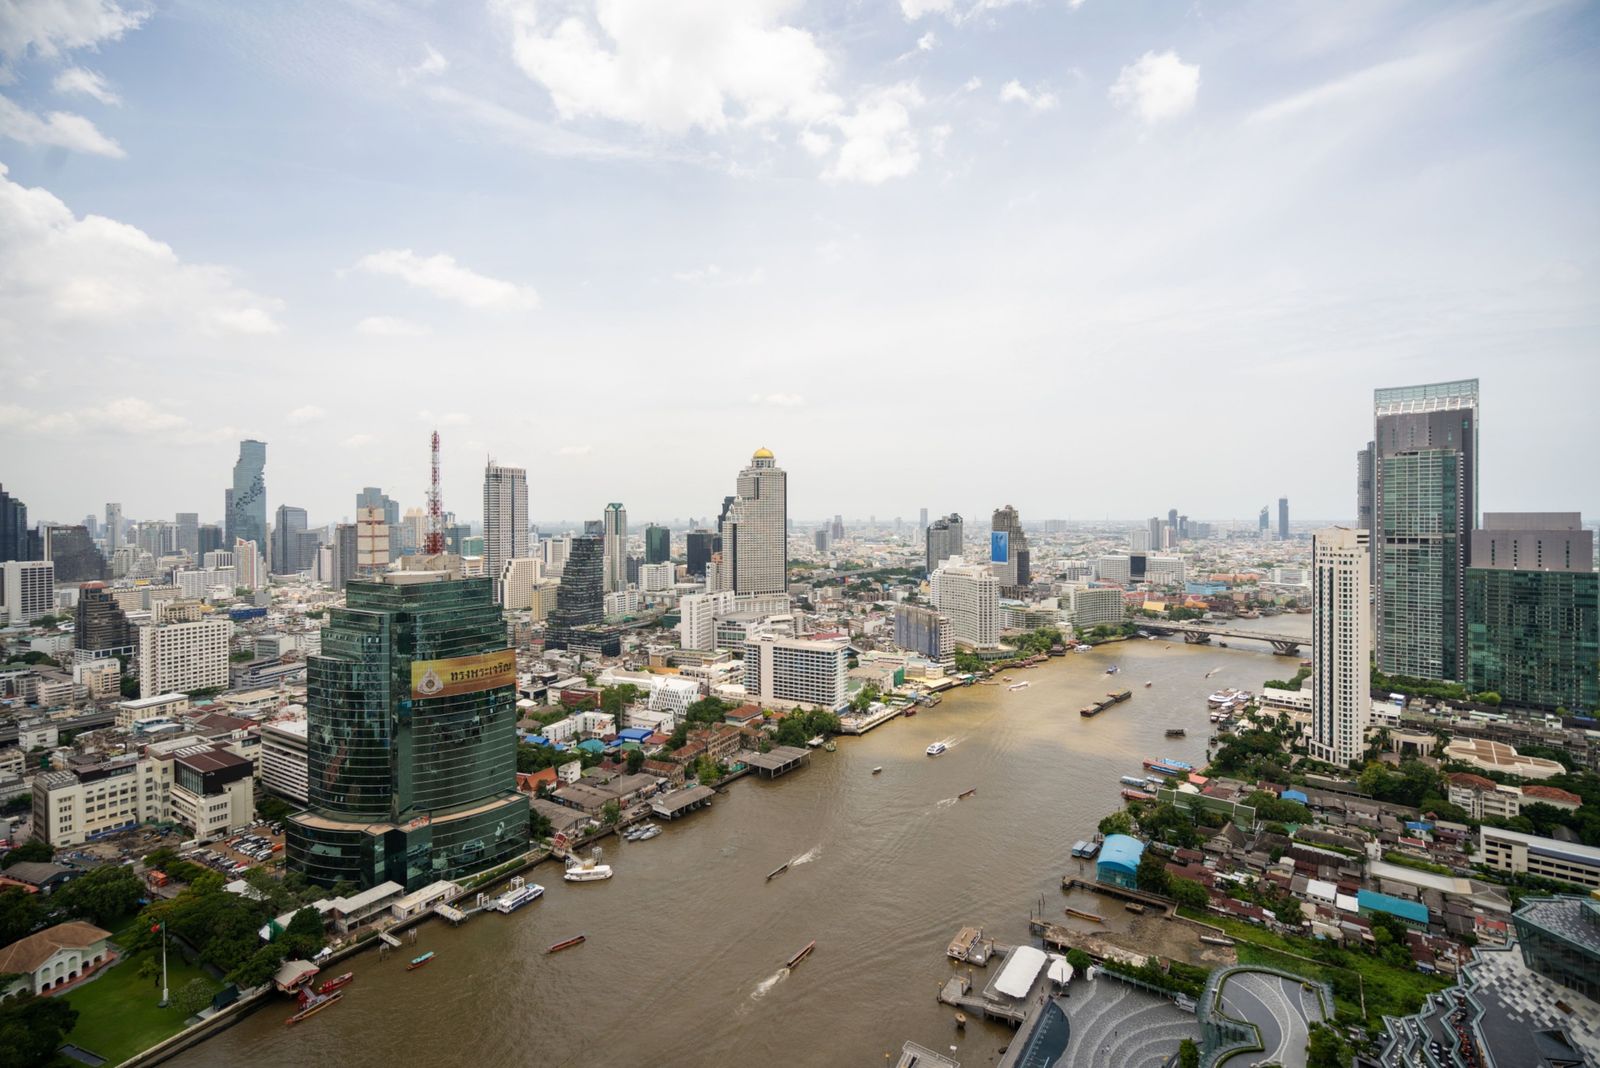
575,940
1176,732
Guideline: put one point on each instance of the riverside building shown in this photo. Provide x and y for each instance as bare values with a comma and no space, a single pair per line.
1341,644
411,734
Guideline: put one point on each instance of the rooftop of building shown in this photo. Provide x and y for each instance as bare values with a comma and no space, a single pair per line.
26,954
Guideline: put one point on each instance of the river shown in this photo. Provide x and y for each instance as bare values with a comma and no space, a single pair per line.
684,959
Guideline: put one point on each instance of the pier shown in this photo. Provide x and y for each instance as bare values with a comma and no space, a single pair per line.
1155,904
1019,983
780,760
670,806
863,724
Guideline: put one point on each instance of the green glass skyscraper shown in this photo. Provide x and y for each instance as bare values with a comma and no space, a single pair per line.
657,544
1425,468
1533,611
411,735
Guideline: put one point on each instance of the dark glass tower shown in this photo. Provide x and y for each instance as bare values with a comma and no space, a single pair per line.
580,599
657,544
102,630
698,547
73,552
247,497
411,737
13,528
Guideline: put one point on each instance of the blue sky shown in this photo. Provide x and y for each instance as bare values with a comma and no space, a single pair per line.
1097,258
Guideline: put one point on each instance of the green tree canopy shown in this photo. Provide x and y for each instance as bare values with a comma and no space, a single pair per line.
31,1029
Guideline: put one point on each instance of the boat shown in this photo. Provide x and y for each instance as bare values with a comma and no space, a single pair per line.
334,984
779,870
829,747
1134,781
1090,710
964,794
587,871
517,895
878,770
912,710
802,955
1023,685
1168,766
1119,695
1112,670
1082,915
1090,848
815,743
1176,732
1138,795
313,1005
417,962
575,940
648,832
1078,847
1135,908
936,748
1147,684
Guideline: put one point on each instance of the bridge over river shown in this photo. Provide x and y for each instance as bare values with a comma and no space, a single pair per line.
1201,633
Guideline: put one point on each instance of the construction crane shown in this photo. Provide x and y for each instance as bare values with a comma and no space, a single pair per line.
433,544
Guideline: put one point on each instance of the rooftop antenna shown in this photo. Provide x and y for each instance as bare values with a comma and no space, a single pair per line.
433,544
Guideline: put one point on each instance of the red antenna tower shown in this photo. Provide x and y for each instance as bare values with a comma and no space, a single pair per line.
434,543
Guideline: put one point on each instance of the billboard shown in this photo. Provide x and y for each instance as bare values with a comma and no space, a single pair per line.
463,674
1000,546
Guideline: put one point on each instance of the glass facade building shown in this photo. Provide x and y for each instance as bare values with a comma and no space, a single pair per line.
657,544
411,735
246,515
1533,637
1560,939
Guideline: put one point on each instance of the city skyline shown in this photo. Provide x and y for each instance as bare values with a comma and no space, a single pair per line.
1234,211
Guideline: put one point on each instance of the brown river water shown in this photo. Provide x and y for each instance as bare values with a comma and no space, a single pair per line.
686,946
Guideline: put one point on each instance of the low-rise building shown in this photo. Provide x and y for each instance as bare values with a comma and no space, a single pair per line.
284,758
213,791
158,706
1527,854
1484,798
54,957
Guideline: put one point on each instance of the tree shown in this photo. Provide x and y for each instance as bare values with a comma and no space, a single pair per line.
610,813
1079,960
1188,892
101,894
31,1028
1152,875
1188,1054
274,809
1118,822
258,968
192,996
32,849
635,761
539,825
20,914
1326,1048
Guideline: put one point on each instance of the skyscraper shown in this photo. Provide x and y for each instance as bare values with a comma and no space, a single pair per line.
210,538
1008,553
1283,519
1261,522
113,527
698,547
246,504
1425,505
615,520
1341,644
969,596
1365,508
102,629
657,544
74,555
372,543
13,528
290,541
754,532
1533,611
942,541
580,599
188,524
346,554
505,516
411,735
374,497
922,520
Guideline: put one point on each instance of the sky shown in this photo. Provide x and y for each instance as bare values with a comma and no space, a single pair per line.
1093,258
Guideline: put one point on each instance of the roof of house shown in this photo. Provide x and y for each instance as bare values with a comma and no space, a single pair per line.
1467,780
1551,793
37,872
1414,911
26,954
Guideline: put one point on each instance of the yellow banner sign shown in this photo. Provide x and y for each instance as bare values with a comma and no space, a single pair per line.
463,674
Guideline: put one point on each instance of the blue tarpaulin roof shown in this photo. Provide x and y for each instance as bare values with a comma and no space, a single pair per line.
1121,853
592,745
1411,911
1293,795
633,734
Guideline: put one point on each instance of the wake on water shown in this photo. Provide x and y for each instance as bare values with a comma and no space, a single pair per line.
807,857
768,983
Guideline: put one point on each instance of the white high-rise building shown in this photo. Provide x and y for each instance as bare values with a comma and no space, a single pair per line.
505,516
1094,605
615,530
1139,540
784,672
755,530
372,542
248,565
181,657
1341,641
27,589
517,581
697,622
1114,568
656,578
969,595
1166,570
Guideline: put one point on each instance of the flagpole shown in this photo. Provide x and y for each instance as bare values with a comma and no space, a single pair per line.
163,964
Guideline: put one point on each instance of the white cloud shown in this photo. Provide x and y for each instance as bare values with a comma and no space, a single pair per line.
1383,78
85,81
778,400
444,418
47,28
356,441
927,42
59,129
1036,99
121,417
306,413
58,270
389,326
442,276
433,63
673,67
879,143
712,275
915,9
575,450
974,83
1158,86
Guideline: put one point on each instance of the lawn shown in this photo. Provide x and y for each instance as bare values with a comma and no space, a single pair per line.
117,1013
1387,990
